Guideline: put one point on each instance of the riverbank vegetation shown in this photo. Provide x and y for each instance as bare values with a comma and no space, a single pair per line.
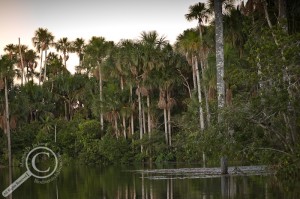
147,100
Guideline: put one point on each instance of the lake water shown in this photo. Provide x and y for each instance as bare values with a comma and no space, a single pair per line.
87,182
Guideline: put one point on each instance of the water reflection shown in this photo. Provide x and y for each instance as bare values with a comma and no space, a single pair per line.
122,183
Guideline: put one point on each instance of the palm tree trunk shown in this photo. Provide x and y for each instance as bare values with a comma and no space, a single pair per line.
7,124
219,57
219,54
169,119
41,63
123,117
144,119
202,69
70,110
100,97
131,114
149,116
132,123
201,117
206,95
194,74
22,64
65,60
66,110
140,116
45,66
116,127
166,125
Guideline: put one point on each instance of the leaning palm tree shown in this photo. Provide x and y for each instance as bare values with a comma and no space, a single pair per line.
201,13
42,40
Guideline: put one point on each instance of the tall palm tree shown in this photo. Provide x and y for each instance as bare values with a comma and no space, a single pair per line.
152,44
78,47
6,75
189,41
127,49
96,52
64,46
42,40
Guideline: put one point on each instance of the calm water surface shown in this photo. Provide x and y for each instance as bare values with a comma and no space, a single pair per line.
84,182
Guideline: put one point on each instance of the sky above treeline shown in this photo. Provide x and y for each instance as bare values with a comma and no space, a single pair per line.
112,19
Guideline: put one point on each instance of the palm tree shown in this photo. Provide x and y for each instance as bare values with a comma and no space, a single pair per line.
189,41
96,52
6,75
152,44
11,50
126,59
42,40
201,13
198,12
65,46
30,58
78,47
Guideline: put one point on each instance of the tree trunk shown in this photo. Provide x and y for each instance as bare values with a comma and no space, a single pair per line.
166,125
265,5
116,127
123,117
144,119
45,66
65,60
124,127
7,124
194,74
219,57
22,64
66,110
70,110
169,127
282,18
219,54
131,115
140,116
100,97
149,116
224,165
206,95
40,76
201,117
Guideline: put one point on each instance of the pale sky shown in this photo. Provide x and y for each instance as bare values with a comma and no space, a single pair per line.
112,19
